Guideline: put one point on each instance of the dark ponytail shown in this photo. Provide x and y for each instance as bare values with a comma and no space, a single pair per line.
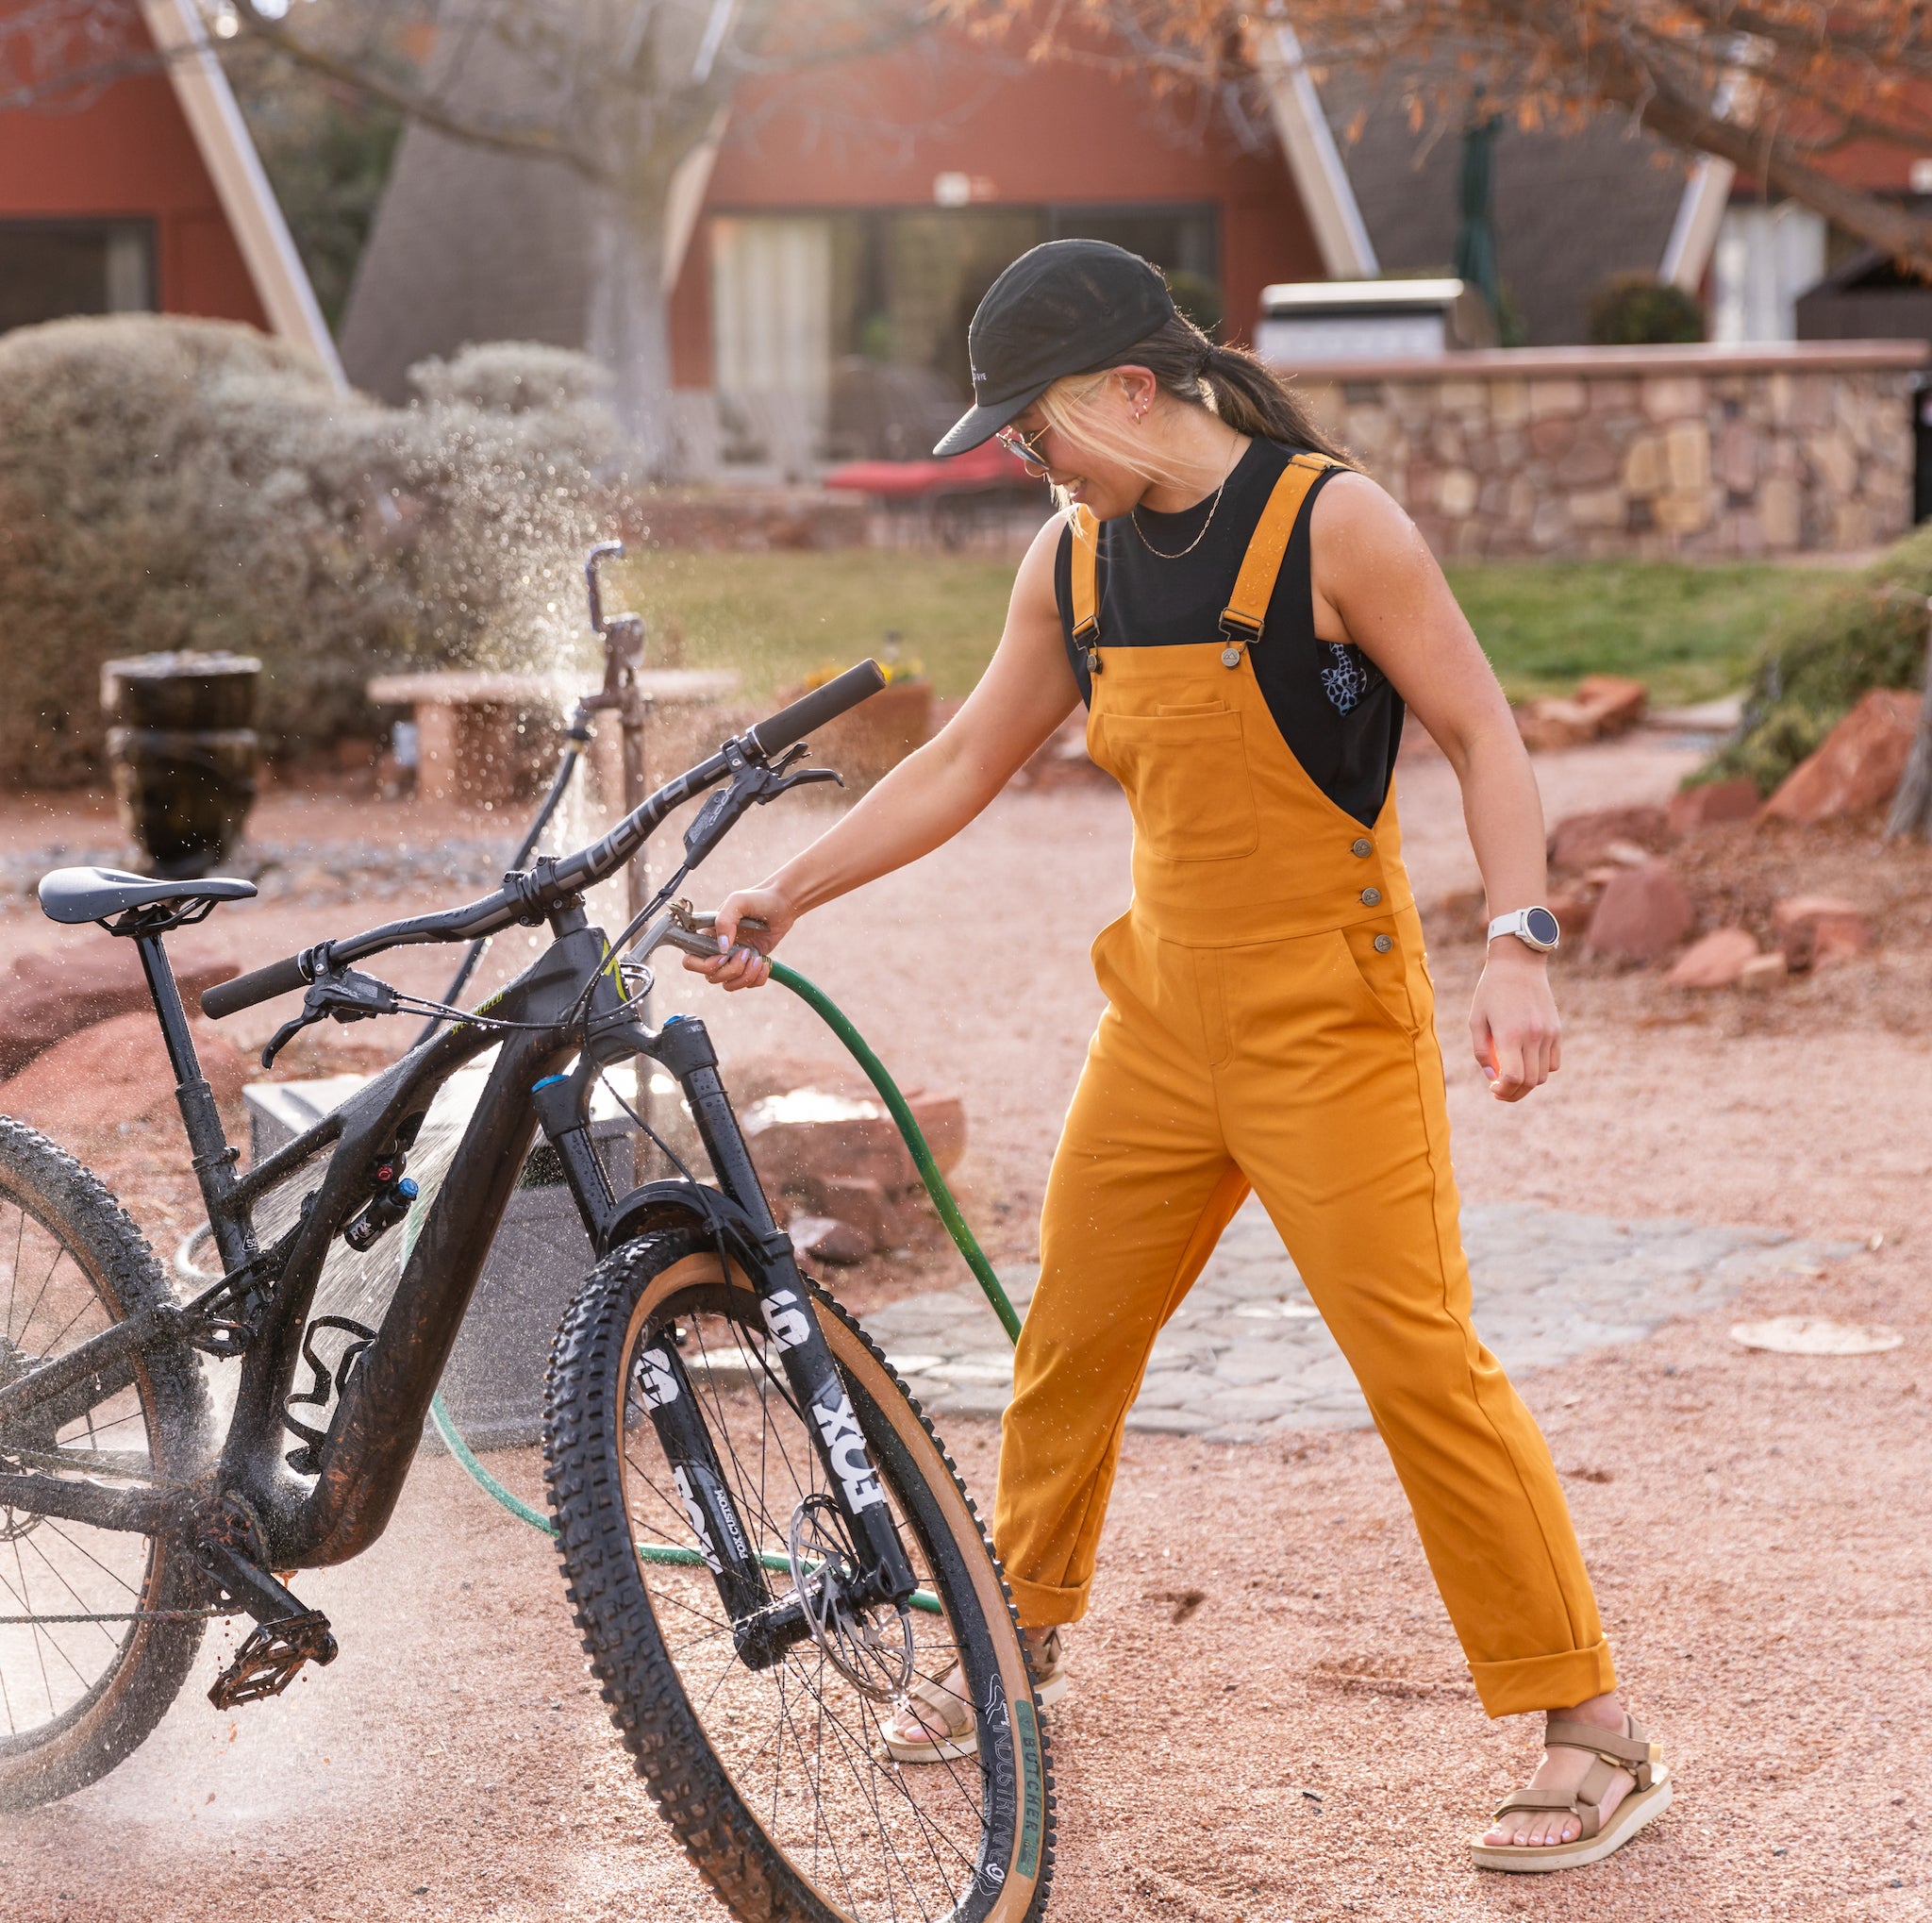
1232,382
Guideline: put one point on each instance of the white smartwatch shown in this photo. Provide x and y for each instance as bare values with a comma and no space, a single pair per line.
1534,927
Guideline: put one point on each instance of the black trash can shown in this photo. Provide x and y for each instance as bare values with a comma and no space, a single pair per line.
183,753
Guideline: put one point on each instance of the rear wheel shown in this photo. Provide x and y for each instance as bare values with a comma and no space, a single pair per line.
776,1780
98,1628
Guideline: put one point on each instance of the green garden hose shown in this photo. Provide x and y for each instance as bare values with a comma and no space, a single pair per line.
834,1018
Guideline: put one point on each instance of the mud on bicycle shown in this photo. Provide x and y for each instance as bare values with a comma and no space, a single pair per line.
764,1544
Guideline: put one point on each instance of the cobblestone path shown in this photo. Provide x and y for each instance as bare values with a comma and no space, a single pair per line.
1247,1352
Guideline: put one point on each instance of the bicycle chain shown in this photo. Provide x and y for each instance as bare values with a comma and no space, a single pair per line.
129,1615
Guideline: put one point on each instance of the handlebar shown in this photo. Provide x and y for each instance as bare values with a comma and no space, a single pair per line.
778,731
259,984
530,895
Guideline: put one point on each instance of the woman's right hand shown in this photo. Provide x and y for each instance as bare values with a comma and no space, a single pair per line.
744,964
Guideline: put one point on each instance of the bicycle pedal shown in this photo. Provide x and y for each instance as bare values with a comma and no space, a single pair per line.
272,1656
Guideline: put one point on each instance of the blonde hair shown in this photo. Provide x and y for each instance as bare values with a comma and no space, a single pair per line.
1230,382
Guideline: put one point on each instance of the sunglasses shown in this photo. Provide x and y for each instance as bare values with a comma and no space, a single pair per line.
1026,446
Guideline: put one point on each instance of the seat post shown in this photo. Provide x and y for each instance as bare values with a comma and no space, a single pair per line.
213,1158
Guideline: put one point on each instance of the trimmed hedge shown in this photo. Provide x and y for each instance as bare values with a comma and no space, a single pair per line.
1870,634
169,483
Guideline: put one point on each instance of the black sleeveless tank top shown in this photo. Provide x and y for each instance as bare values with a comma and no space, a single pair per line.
1337,712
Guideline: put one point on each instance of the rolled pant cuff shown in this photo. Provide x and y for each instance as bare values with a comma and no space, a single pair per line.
1042,1607
1538,1682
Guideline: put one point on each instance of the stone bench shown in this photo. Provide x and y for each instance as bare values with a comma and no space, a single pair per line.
483,735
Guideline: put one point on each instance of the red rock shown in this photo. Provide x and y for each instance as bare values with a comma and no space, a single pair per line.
1718,960
1554,722
823,1238
57,995
1616,703
1767,971
1642,916
810,1136
942,1121
1858,764
1581,842
1819,930
1601,705
886,1217
1715,801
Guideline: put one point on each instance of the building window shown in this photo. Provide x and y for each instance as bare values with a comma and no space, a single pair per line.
852,323
1765,258
51,268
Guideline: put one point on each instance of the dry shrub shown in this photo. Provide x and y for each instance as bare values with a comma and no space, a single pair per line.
170,483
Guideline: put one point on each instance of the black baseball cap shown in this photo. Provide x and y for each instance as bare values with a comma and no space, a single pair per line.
1059,309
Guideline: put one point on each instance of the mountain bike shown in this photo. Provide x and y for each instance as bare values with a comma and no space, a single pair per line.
763,1540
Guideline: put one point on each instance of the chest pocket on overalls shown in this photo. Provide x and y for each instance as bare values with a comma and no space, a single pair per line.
1187,780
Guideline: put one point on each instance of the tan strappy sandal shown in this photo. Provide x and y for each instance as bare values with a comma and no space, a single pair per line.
1633,1751
938,1710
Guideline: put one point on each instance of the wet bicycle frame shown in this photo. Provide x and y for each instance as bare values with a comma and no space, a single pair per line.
557,1025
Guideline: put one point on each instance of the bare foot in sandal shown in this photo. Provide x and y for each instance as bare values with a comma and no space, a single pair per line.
935,1724
1598,1762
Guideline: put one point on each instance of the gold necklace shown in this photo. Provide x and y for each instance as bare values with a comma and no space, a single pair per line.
1161,553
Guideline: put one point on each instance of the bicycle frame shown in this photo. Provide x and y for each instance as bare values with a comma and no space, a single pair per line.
378,1421
254,1511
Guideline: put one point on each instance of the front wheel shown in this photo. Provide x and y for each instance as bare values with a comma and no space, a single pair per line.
776,1779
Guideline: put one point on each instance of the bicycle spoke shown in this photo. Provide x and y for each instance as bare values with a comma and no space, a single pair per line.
13,1275
53,1269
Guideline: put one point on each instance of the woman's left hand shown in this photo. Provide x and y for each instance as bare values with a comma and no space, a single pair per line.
1513,1021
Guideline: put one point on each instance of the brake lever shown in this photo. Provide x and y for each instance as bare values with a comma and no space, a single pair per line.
343,994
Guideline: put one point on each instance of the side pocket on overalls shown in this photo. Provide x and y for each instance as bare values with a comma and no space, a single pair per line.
1386,952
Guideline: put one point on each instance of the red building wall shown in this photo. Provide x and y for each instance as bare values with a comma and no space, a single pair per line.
877,133
127,154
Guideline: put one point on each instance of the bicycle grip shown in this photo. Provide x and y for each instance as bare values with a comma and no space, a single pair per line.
259,984
822,705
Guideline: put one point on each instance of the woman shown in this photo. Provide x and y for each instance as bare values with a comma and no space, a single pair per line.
1247,618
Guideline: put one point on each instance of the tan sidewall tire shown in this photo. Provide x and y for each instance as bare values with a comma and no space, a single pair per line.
1021,1758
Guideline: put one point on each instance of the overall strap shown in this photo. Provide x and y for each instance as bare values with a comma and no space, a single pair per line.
1243,619
1085,558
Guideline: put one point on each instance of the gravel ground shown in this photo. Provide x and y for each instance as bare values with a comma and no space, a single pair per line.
1271,1717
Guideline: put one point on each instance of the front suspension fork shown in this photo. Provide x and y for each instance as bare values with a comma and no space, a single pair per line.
764,1629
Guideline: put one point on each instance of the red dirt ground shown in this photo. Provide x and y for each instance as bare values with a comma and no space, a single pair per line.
1304,1744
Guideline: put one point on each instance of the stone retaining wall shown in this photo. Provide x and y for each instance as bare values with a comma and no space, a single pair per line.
1706,452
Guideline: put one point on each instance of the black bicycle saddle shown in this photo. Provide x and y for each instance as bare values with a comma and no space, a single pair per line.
91,895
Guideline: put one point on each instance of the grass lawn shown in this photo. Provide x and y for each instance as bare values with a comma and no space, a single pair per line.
775,617
1691,632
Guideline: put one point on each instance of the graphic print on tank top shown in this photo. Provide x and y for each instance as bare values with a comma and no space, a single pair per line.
1336,712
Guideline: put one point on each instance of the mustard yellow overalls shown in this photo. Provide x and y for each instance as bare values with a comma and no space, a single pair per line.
1269,1025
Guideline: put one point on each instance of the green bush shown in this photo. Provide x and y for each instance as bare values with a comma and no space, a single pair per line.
172,484
1871,633
1634,310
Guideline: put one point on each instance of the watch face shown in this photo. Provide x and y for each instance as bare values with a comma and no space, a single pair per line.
1540,925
